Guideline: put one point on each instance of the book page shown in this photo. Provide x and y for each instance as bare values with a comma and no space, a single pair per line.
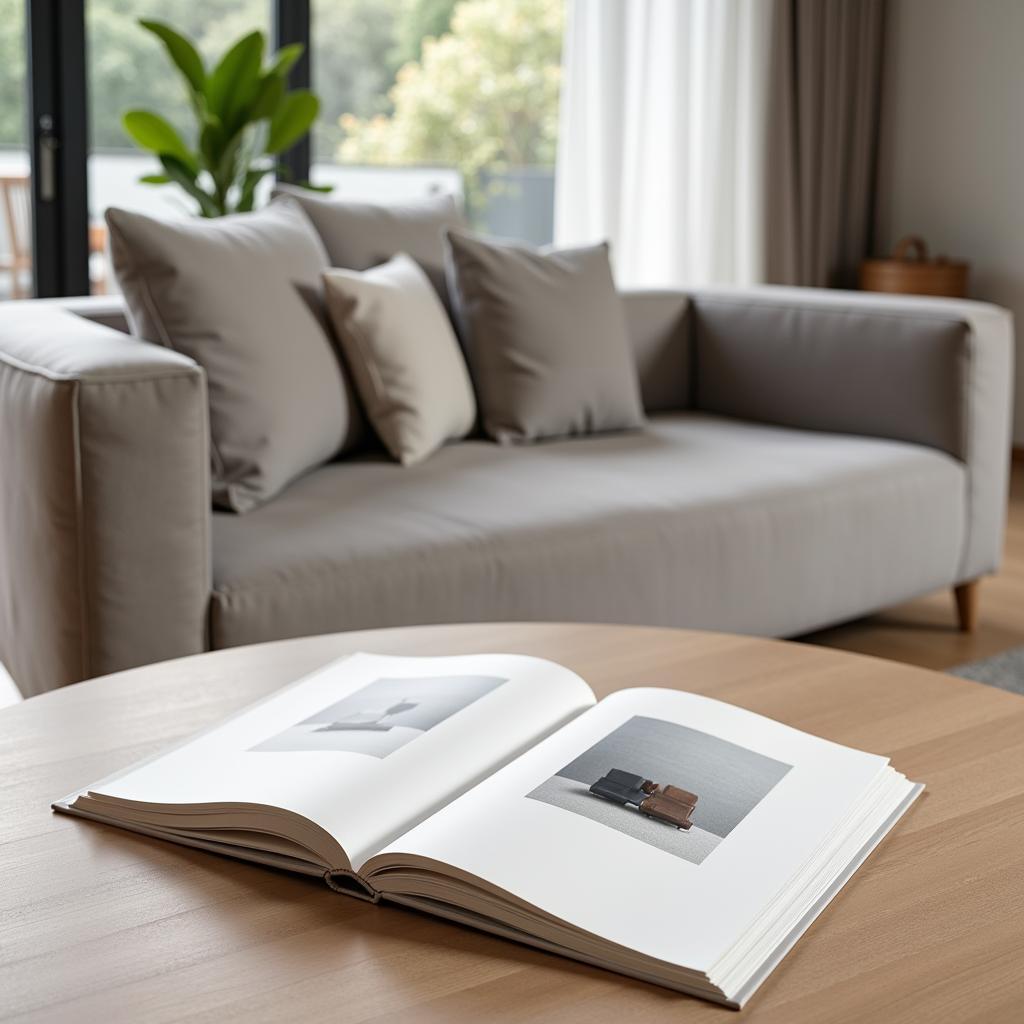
369,745
661,821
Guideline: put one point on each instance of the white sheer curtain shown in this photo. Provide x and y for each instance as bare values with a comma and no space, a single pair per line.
662,138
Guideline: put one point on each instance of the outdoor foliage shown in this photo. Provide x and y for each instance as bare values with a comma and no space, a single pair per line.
354,59
483,96
13,125
467,83
245,116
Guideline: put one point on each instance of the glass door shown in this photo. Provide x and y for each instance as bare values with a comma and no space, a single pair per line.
15,182
442,96
128,69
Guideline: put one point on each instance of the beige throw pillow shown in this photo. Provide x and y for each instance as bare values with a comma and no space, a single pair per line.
403,355
242,296
546,339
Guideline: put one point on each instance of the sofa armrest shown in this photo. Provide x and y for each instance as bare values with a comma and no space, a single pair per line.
104,499
929,371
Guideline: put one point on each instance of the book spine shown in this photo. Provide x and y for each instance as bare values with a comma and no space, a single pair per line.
352,884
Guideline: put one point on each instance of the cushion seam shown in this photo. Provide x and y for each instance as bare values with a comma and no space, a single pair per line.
89,378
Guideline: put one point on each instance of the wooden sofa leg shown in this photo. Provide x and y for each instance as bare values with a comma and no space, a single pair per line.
966,595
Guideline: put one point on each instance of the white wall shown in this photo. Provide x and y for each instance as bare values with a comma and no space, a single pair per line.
952,152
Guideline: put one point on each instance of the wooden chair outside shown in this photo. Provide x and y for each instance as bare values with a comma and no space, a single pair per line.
16,209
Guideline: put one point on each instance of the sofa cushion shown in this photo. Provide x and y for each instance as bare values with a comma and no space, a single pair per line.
242,296
546,338
697,521
358,236
404,356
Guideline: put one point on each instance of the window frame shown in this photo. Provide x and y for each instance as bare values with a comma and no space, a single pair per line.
57,83
55,38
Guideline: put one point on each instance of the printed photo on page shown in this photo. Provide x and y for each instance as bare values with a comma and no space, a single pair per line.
669,786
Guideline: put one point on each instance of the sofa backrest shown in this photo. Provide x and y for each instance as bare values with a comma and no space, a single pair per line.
834,361
660,328
107,310
658,322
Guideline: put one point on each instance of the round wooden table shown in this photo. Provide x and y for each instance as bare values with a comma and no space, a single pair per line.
103,925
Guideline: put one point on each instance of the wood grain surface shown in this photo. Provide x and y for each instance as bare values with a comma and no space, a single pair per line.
101,925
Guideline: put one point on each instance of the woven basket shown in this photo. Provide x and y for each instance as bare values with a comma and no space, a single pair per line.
910,272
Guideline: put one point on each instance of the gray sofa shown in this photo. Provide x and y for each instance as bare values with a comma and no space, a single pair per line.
811,456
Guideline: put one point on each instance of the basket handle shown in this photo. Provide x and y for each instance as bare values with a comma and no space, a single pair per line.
911,248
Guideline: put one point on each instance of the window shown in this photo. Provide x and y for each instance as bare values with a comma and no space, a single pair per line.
128,68
453,95
15,184
418,96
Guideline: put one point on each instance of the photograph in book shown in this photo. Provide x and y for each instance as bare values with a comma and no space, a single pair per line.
674,788
384,715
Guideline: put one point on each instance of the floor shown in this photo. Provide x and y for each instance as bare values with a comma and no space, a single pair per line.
924,632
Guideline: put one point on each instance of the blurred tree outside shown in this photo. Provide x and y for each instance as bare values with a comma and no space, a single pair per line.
13,100
354,61
420,20
127,67
483,97
471,84
357,48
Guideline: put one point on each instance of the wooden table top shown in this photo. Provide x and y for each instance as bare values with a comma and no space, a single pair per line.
102,925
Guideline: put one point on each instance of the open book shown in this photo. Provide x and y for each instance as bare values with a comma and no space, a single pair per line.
660,834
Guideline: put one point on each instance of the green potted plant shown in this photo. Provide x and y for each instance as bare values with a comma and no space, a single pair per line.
245,117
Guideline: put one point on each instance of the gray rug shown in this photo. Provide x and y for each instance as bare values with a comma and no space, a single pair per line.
1004,670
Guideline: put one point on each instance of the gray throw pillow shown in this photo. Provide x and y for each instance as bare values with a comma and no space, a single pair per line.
404,356
358,236
546,339
242,296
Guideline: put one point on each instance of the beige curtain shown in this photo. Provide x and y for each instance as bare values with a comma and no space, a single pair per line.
823,111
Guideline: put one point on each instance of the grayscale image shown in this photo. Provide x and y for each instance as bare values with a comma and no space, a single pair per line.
384,715
674,788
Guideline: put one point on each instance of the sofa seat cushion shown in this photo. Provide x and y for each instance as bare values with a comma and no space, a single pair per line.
698,521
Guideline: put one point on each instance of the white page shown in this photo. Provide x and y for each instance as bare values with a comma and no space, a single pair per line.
682,897
392,740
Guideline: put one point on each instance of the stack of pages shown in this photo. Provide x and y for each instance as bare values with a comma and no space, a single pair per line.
656,833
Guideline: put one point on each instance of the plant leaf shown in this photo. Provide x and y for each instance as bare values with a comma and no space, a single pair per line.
155,179
211,143
180,173
152,132
284,60
231,86
294,116
224,173
268,96
248,194
181,51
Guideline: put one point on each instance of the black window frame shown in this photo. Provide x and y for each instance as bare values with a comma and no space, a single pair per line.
55,31
292,21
